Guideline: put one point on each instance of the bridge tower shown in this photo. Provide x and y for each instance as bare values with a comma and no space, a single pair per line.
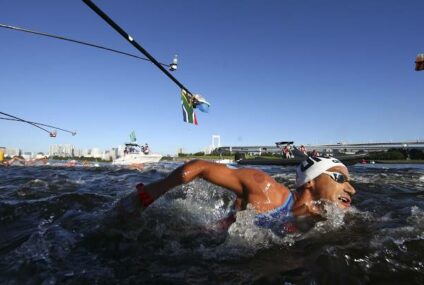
216,141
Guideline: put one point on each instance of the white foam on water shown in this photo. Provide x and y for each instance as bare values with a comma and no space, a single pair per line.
417,218
333,218
413,230
191,211
33,186
361,178
79,181
50,239
195,210
246,239
288,176
187,211
387,217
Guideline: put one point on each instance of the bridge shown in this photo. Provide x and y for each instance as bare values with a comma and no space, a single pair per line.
331,148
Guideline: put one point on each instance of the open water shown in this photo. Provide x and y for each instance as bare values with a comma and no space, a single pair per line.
56,228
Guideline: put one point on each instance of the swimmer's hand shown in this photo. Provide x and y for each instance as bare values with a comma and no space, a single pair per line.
135,203
129,206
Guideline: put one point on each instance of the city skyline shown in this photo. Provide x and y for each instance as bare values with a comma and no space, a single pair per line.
311,72
68,149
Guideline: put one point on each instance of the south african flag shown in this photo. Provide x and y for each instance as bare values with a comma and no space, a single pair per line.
188,113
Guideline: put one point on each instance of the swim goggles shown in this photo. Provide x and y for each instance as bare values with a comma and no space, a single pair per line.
337,176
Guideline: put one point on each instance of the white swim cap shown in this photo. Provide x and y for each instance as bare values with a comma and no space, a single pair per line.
312,167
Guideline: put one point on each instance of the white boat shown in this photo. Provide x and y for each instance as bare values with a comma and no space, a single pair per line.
135,154
224,161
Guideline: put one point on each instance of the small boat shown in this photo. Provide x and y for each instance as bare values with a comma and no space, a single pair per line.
135,154
224,161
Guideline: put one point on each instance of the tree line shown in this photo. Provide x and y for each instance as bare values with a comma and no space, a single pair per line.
391,154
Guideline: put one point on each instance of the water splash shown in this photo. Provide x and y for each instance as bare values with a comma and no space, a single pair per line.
55,229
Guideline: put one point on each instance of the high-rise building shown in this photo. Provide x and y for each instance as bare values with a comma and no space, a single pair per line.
86,152
54,150
78,152
66,150
96,153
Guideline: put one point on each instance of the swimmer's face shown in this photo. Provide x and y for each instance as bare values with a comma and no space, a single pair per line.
339,192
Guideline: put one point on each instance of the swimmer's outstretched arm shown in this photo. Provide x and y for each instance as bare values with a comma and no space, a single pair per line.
250,185
215,173
218,174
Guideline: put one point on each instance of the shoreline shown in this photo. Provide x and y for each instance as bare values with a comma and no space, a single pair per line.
418,161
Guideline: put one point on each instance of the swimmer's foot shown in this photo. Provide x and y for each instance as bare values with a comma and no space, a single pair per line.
132,205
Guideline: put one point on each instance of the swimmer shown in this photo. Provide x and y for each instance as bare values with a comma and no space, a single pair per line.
317,179
15,161
136,166
71,163
19,161
37,161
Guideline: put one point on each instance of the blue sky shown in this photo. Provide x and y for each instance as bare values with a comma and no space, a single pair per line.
308,71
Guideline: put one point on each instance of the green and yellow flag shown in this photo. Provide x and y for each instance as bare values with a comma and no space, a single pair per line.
133,137
188,113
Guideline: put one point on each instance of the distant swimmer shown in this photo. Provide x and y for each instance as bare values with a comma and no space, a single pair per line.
37,162
317,179
19,161
136,166
15,161
71,163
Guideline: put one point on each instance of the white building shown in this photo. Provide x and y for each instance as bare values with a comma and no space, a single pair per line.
107,155
12,152
66,150
96,153
114,153
78,152
86,152
28,155
55,150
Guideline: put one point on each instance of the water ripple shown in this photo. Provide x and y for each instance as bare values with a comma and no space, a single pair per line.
57,227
